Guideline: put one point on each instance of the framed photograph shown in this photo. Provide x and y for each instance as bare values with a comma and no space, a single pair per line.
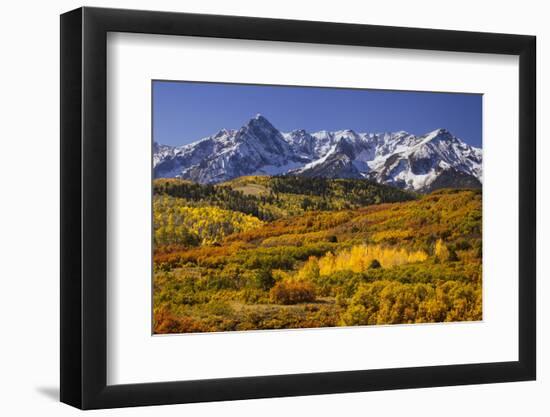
257,208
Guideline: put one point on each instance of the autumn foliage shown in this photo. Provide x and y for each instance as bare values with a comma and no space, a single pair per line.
281,252
292,292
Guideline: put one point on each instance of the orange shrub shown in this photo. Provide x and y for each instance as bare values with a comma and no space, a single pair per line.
292,292
165,322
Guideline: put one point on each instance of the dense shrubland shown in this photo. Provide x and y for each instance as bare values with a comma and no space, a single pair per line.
250,254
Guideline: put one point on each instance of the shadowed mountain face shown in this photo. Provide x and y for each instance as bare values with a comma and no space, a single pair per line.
420,163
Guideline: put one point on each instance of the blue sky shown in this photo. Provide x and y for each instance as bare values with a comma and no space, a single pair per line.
187,111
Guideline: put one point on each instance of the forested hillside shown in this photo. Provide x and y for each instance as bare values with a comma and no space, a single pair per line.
270,198
294,252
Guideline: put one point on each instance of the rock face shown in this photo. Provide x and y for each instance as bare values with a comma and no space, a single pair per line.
420,163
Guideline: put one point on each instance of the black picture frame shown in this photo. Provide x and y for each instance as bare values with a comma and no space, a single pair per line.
84,207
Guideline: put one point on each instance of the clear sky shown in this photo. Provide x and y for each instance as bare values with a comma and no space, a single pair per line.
184,112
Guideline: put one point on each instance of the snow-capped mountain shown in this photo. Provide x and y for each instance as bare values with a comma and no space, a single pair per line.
256,148
422,163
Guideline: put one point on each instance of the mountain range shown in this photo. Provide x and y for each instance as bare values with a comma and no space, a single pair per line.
437,159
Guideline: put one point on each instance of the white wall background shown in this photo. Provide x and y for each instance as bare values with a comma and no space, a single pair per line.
29,220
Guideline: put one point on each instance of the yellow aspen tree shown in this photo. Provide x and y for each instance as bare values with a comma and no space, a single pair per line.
441,252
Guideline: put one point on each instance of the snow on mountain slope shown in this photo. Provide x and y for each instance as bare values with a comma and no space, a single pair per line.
400,159
257,147
161,153
418,163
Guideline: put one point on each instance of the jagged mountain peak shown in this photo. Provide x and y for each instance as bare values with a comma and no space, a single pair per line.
345,132
438,131
400,158
439,134
224,133
261,127
259,120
